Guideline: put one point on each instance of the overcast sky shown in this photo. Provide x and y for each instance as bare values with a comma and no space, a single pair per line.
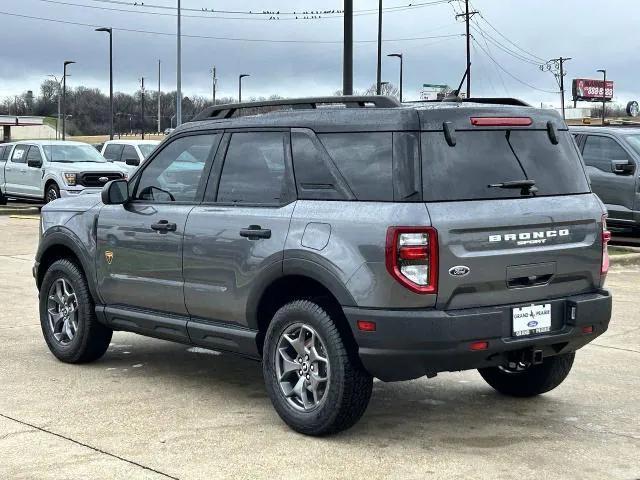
31,49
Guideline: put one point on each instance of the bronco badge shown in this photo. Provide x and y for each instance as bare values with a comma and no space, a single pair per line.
108,255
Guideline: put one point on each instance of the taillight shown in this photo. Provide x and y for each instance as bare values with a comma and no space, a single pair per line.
412,257
501,121
606,238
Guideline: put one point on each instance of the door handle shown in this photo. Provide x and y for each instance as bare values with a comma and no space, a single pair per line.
163,226
255,232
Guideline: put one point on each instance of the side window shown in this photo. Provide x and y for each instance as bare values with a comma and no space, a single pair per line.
365,161
254,169
113,152
20,154
599,151
2,150
129,152
311,165
34,154
175,174
6,153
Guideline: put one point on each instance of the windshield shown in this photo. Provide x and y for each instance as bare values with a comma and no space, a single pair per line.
634,141
72,153
483,160
146,149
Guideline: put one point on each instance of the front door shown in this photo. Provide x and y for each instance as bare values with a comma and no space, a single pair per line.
33,175
139,244
235,240
617,189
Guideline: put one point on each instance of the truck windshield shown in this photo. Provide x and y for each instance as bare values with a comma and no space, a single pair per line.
481,159
72,153
634,141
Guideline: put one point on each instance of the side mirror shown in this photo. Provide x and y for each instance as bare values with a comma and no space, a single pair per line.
132,162
116,192
34,163
622,167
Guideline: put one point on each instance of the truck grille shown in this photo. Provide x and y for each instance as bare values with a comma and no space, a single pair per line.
97,179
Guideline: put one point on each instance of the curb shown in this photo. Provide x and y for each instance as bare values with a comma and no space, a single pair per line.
19,211
625,259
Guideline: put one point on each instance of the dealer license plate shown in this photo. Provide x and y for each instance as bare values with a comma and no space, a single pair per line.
531,319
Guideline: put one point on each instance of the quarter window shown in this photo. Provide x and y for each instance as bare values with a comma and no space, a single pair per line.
254,169
175,174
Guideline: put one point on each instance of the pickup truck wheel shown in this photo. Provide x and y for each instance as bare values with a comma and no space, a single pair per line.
532,380
52,193
315,384
3,199
67,315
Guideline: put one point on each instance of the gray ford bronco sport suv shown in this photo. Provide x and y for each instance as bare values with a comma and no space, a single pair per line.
341,239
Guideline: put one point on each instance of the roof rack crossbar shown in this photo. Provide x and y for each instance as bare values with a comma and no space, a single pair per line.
311,103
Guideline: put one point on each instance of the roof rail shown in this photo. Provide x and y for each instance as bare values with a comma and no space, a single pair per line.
485,100
311,103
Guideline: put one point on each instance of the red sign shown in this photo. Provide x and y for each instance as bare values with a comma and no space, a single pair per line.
591,90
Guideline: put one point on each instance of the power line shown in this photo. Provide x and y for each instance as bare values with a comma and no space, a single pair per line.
504,86
502,47
509,73
234,39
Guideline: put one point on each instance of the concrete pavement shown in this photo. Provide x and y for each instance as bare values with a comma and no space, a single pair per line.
153,409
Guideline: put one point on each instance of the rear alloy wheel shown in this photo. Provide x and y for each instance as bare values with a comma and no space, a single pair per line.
316,384
520,380
52,193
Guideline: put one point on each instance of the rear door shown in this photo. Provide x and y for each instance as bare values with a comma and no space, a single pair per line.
515,246
235,240
616,187
15,170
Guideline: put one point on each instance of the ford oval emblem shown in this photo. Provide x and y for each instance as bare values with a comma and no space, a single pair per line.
103,179
532,324
459,271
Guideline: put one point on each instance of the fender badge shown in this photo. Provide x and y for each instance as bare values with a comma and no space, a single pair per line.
108,255
459,271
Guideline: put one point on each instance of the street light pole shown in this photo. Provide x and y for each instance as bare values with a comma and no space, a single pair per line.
179,72
159,94
214,80
379,70
347,61
400,56
64,97
59,95
604,94
142,106
240,77
110,32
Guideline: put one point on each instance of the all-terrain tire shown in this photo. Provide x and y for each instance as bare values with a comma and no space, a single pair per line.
91,338
535,380
52,193
349,388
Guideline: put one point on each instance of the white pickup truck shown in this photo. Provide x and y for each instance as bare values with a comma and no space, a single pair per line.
45,170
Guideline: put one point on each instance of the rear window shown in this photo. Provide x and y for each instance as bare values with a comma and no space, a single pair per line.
481,158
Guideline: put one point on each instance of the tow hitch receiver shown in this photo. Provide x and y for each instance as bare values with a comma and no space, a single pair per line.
529,356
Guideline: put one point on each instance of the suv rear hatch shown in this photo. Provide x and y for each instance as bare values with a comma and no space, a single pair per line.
502,242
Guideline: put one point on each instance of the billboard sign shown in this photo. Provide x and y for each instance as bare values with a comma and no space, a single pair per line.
591,90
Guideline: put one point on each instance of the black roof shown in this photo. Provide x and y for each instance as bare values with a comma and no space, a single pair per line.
374,113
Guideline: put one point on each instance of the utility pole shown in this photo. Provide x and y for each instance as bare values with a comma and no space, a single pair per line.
159,93
556,66
347,67
214,80
604,94
142,106
379,76
179,72
467,17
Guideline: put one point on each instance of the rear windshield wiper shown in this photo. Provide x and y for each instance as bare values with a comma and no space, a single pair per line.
527,187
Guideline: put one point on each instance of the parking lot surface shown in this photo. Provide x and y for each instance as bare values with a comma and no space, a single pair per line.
153,409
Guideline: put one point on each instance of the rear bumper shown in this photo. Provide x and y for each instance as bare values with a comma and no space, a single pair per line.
411,343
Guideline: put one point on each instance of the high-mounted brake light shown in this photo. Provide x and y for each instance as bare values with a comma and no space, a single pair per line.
606,238
412,257
501,121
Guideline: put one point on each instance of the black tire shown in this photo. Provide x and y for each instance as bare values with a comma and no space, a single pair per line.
534,380
91,338
349,388
3,199
52,193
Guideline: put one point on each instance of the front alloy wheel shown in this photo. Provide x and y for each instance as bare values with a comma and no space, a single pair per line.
62,311
302,367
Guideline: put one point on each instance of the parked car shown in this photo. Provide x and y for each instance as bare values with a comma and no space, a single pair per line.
131,153
46,170
612,157
341,244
